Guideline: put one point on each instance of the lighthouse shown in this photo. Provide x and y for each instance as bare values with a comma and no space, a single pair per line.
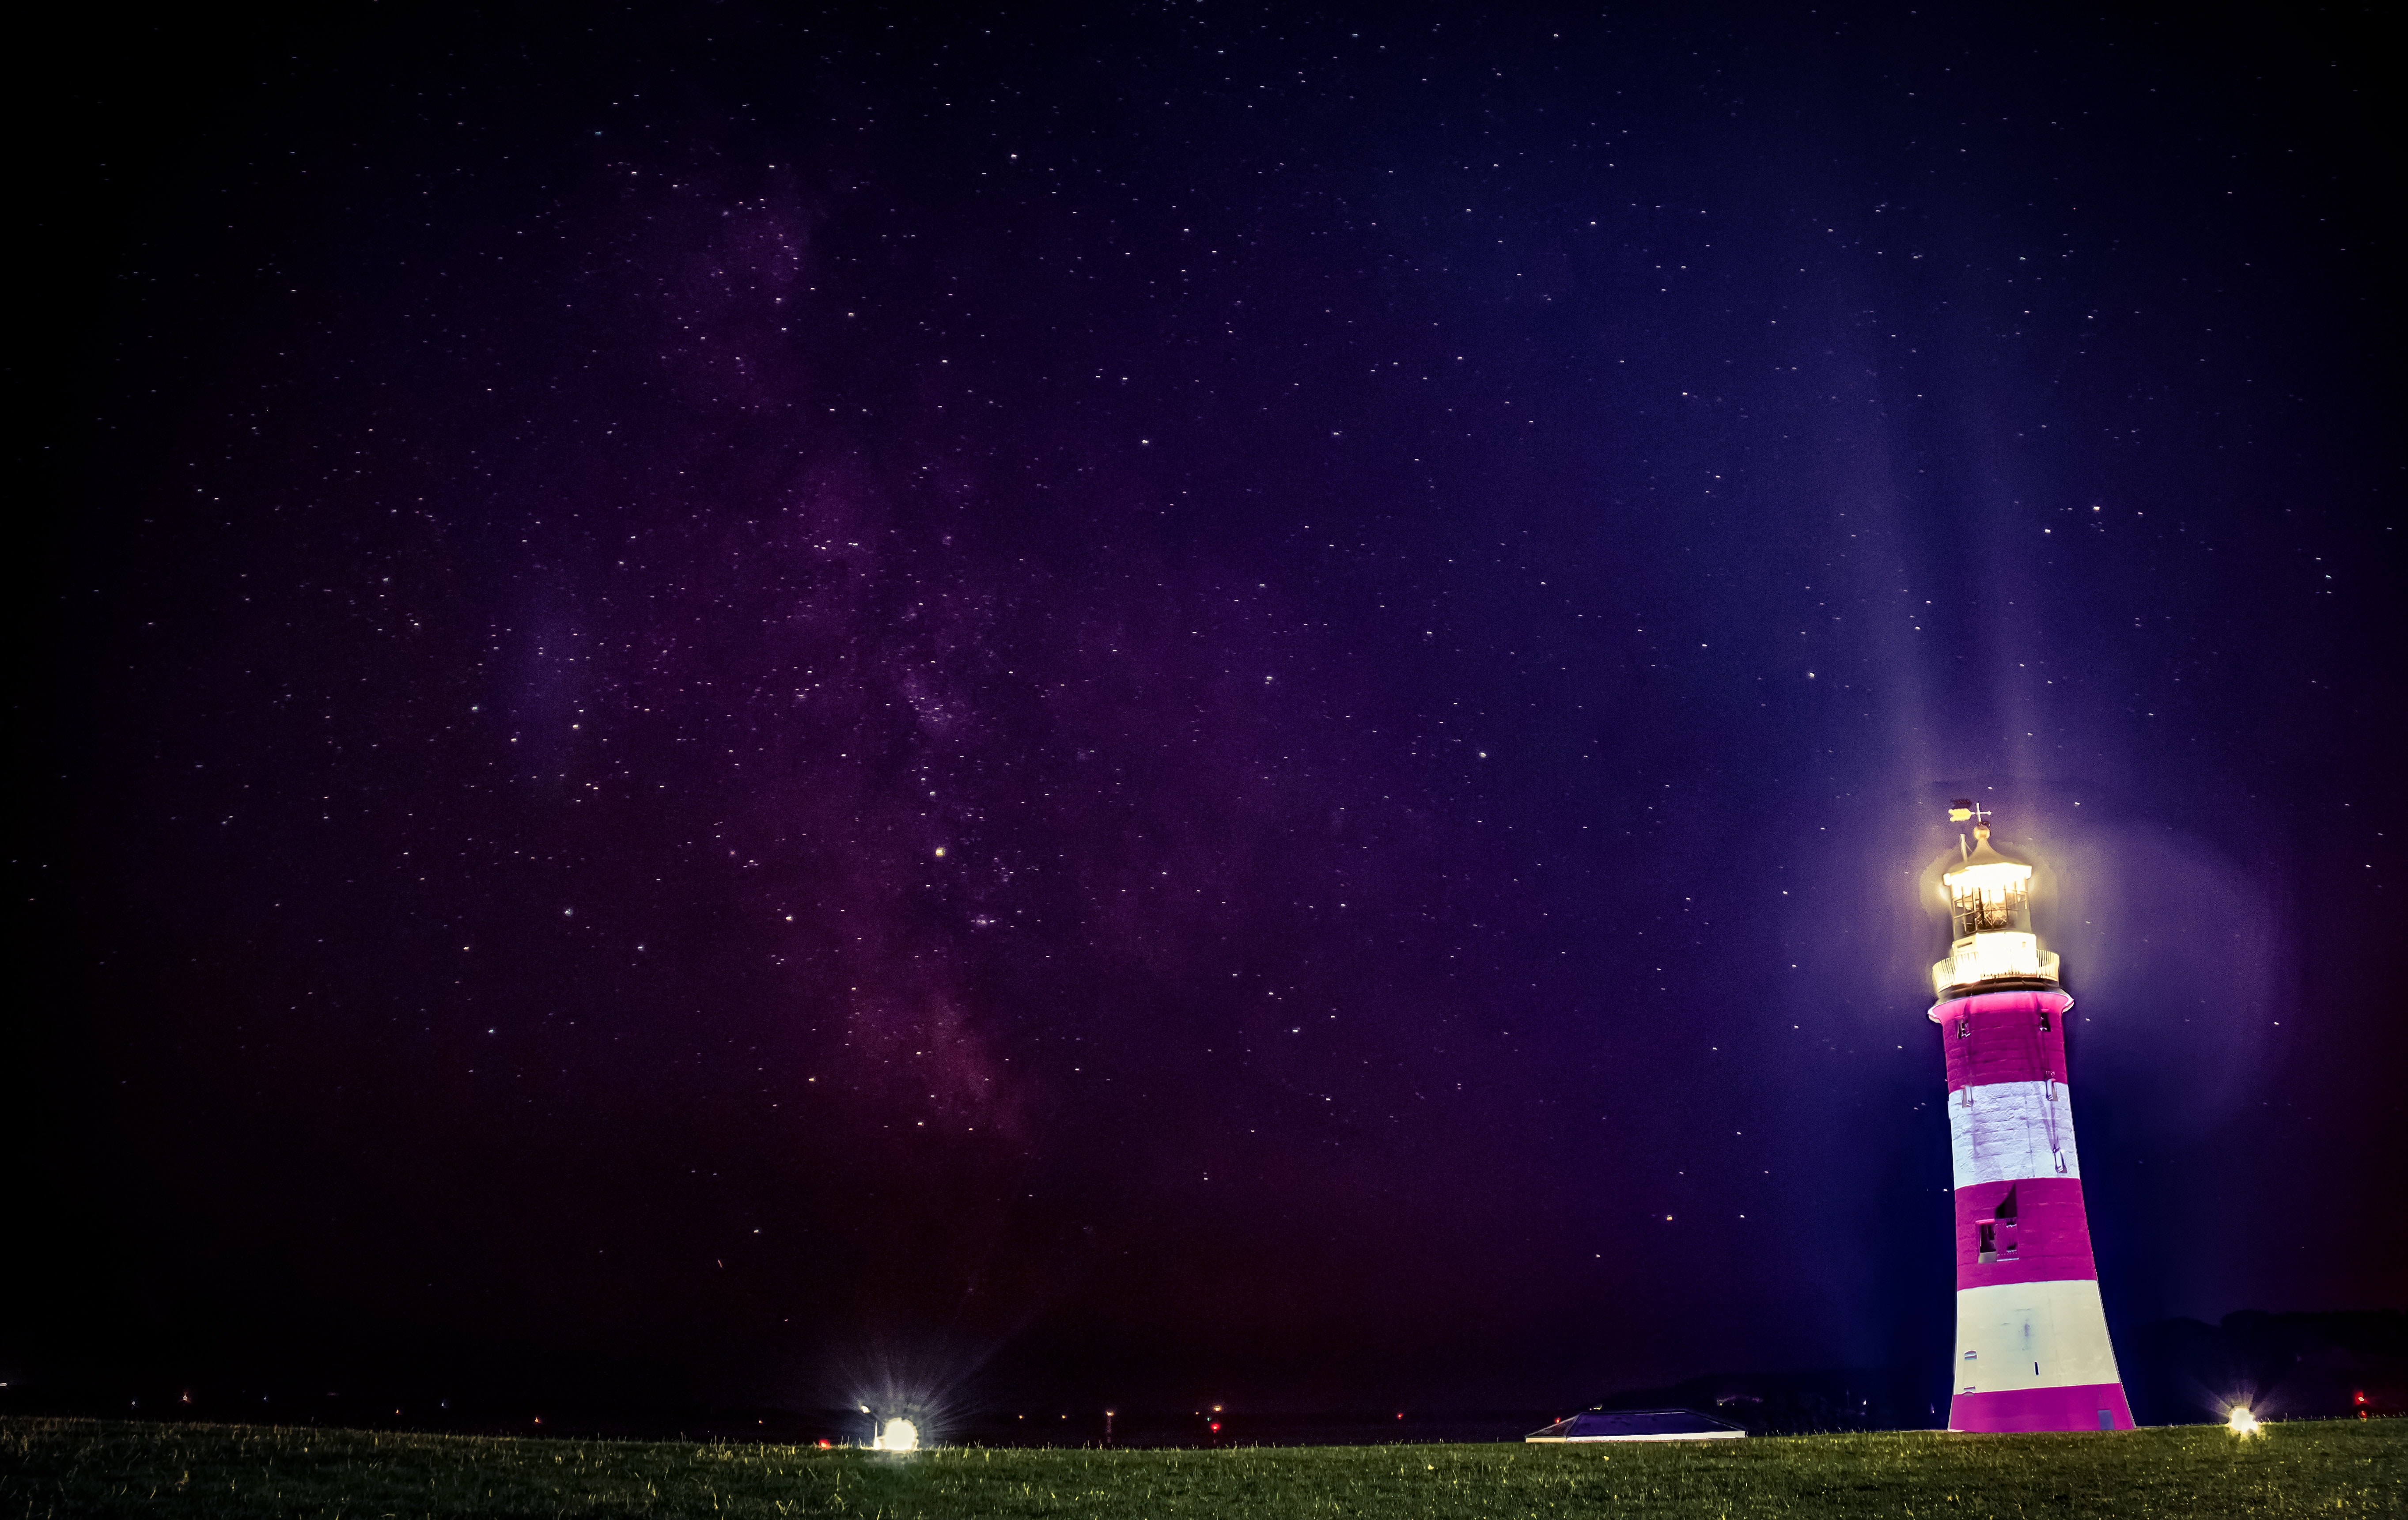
2031,1335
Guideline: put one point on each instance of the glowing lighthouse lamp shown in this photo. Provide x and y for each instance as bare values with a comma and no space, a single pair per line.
2032,1352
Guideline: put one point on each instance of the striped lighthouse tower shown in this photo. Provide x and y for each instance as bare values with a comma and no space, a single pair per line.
2031,1336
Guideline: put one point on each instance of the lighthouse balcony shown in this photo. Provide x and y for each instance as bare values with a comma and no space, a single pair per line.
1993,957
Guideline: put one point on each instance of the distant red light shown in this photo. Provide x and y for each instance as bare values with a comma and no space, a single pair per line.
825,1443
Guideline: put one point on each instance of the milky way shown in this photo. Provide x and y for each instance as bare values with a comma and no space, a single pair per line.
1190,704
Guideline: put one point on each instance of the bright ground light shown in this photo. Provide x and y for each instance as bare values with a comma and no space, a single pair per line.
2241,1422
901,1435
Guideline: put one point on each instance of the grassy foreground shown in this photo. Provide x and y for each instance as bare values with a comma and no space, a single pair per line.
90,1468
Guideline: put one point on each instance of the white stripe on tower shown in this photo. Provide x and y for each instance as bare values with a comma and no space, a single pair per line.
2012,1129
2032,1335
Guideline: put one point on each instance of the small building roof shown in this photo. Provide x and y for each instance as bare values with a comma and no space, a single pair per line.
1638,1425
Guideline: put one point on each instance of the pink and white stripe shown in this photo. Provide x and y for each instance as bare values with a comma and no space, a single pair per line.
2032,1352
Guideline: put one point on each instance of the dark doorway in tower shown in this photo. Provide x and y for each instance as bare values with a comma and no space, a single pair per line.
1993,1236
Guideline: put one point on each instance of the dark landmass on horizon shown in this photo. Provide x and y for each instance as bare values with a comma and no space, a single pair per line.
2320,1366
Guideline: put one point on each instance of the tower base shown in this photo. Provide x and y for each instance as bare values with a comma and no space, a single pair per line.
2092,1405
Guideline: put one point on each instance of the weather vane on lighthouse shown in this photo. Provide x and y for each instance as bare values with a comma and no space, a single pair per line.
2032,1352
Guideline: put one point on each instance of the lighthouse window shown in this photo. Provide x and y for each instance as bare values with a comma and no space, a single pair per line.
1989,908
1998,1241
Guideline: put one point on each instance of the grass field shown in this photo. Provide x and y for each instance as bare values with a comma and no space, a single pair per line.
2314,1468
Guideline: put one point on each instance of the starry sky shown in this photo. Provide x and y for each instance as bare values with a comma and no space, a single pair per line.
1183,700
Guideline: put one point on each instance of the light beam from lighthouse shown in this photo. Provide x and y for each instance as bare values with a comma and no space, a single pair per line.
2032,1352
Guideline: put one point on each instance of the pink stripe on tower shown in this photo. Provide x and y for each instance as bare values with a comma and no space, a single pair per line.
2027,1040
2046,1235
2071,1407
2032,1352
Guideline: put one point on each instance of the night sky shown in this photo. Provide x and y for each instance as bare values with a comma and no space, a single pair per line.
1189,701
